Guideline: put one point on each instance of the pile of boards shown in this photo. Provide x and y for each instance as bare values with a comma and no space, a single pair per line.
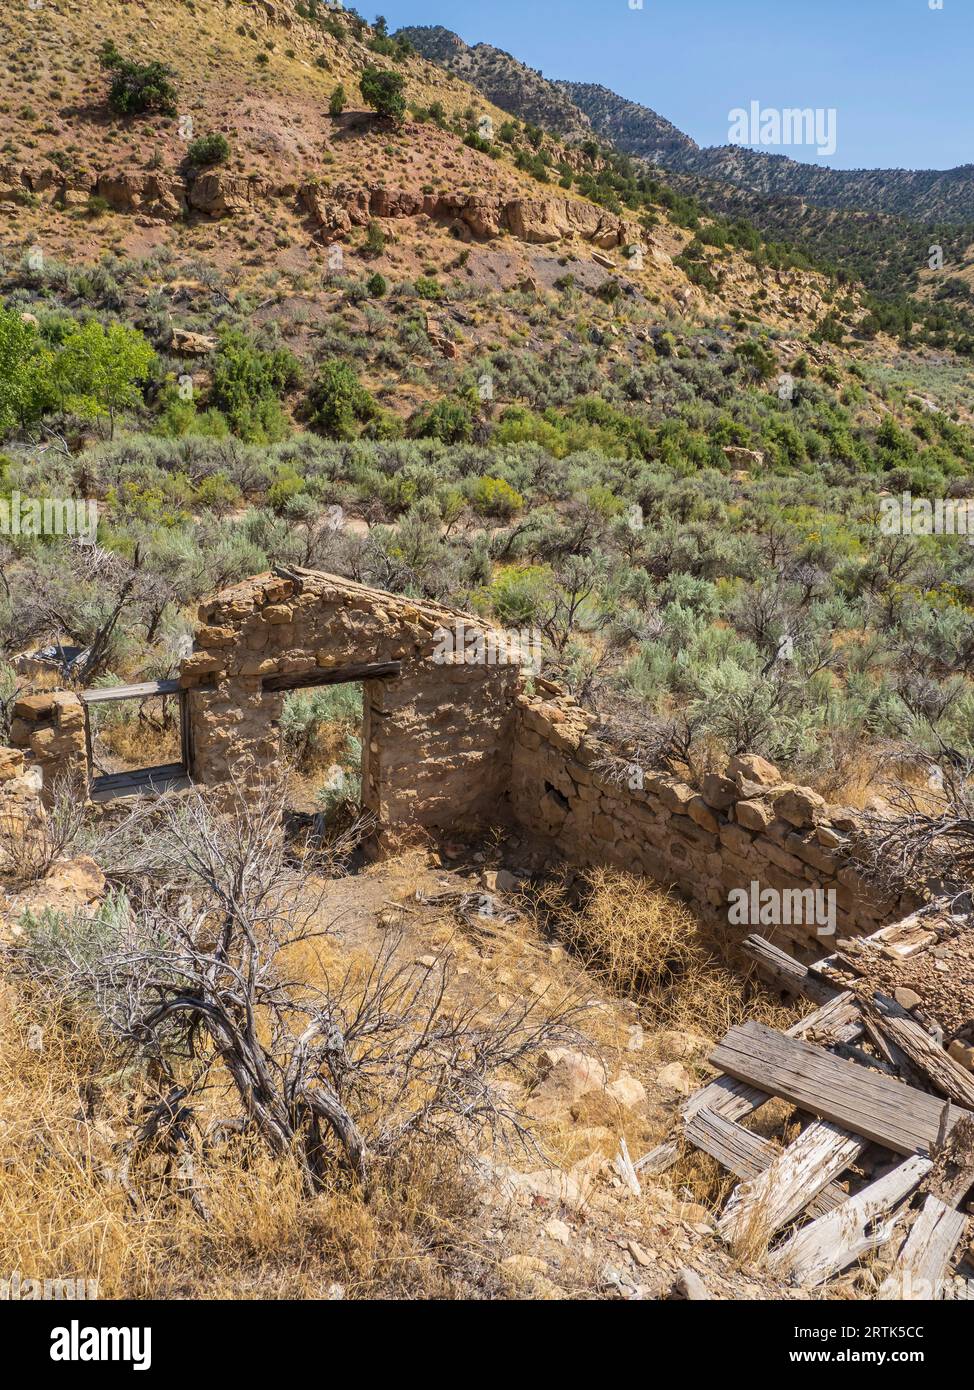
884,1097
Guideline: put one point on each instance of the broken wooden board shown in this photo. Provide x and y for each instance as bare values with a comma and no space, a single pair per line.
921,1266
782,971
747,1155
925,1054
863,1102
829,1245
837,1021
658,1160
101,695
792,1180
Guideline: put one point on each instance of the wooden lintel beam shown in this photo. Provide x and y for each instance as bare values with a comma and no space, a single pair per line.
334,675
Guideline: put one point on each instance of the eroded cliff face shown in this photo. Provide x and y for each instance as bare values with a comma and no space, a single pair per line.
217,193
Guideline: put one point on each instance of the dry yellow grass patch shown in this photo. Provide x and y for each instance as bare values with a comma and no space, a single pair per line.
140,743
645,944
64,1106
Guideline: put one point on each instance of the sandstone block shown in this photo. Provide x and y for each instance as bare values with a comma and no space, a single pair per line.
719,792
754,769
800,805
754,815
701,814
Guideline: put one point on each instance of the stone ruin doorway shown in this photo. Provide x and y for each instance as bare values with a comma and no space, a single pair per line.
324,732
118,741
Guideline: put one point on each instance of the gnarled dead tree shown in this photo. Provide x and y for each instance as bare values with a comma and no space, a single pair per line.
924,838
201,966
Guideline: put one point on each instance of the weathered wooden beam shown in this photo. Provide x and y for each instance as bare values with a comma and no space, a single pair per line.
926,1055
830,1244
143,782
837,1021
334,675
747,1155
780,969
102,695
658,1160
791,1180
921,1265
844,1093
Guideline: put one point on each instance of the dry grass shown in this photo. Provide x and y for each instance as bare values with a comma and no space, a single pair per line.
63,1213
139,743
645,944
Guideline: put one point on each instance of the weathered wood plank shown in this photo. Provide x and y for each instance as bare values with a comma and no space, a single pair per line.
837,1021
658,1160
152,779
791,1180
98,696
844,1093
945,1075
780,969
825,1247
334,675
747,1155
921,1265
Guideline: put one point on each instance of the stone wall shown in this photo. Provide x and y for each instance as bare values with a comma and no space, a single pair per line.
50,729
749,826
436,740
455,741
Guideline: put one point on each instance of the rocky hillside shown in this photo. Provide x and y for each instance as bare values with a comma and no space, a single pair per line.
304,206
632,128
503,80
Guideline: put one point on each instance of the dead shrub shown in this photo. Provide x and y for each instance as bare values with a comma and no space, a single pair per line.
31,841
647,945
65,1212
192,979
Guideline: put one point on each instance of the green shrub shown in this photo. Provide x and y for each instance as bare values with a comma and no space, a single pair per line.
209,149
248,384
428,288
138,88
383,91
495,497
449,421
340,404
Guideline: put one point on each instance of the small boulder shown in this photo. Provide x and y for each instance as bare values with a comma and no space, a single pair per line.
719,792
627,1090
754,815
800,806
754,769
675,1077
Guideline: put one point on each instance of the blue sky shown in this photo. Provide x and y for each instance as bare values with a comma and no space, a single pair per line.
899,75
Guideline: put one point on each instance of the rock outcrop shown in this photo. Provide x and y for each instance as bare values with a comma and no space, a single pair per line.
535,220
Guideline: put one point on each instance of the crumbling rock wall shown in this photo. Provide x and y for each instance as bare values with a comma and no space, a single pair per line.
747,826
436,740
454,741
49,728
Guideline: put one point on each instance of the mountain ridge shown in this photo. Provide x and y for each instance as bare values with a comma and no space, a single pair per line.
576,108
